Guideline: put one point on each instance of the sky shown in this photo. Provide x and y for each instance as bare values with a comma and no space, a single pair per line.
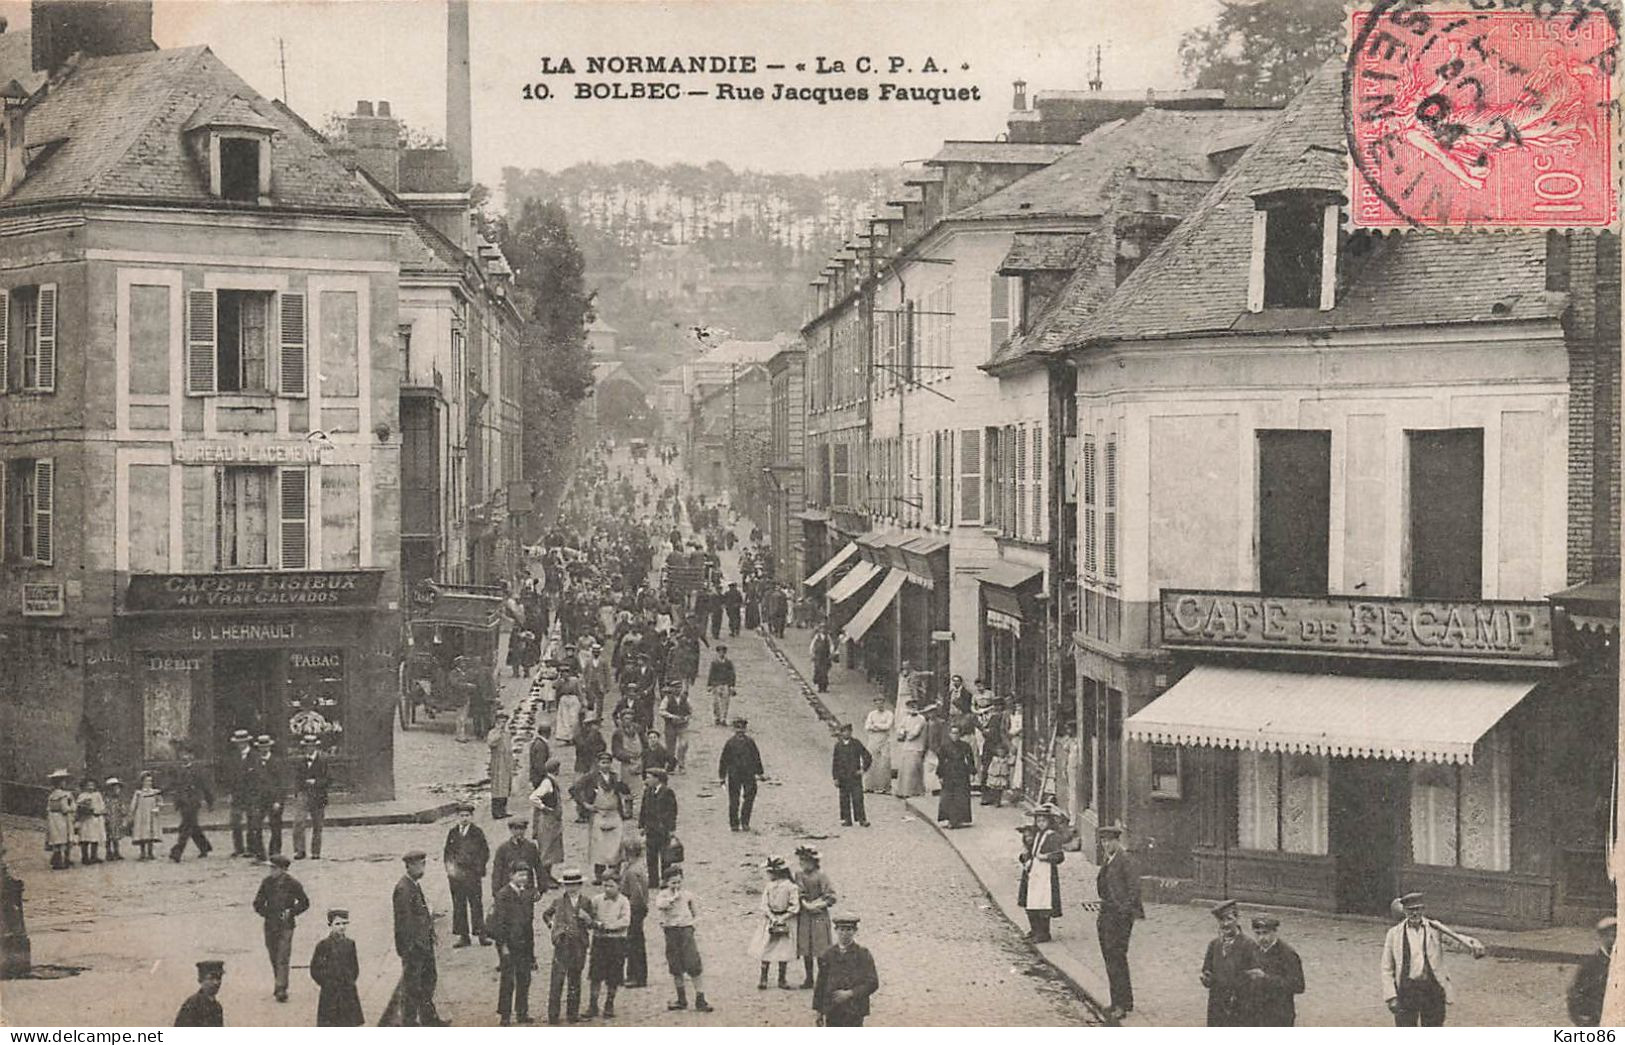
341,51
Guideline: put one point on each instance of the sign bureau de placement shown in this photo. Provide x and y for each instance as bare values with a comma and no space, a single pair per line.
1475,629
248,451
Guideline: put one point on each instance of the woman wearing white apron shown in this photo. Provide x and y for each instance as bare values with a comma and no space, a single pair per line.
606,828
1040,892
877,731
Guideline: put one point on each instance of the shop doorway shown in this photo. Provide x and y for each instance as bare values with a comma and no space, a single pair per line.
246,695
1368,815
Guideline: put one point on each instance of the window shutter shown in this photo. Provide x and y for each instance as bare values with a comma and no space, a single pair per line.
295,518
1110,552
200,342
1091,561
970,476
999,311
220,523
5,341
44,509
5,511
1020,529
1035,479
294,354
45,339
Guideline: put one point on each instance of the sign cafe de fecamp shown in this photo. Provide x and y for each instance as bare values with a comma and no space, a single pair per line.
1478,629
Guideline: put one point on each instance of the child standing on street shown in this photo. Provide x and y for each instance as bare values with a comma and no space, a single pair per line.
59,817
612,916
678,911
90,820
144,806
117,822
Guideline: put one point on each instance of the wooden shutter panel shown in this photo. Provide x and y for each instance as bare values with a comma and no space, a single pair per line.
970,475
999,311
1091,511
295,518
5,341
45,340
1021,482
5,510
294,355
200,342
44,509
1109,554
1035,477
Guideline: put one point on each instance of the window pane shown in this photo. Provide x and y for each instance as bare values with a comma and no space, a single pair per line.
255,341
245,518
1257,799
1433,814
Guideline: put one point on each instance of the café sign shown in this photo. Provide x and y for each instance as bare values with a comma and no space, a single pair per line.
1476,629
264,590
246,451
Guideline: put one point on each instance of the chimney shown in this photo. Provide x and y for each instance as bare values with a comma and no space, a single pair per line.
1019,103
377,143
459,94
62,28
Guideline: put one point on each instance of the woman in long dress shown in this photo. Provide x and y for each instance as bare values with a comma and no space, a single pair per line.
812,924
547,822
877,728
956,767
567,718
775,939
911,753
607,828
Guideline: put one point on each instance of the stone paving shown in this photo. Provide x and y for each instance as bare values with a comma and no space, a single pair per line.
1341,955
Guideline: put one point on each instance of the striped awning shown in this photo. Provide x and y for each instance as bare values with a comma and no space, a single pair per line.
835,560
865,618
1414,720
848,586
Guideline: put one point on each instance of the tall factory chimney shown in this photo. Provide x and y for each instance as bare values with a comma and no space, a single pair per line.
459,92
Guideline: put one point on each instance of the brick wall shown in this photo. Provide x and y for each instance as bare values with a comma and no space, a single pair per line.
1592,331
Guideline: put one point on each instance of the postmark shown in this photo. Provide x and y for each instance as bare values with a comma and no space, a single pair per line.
1461,116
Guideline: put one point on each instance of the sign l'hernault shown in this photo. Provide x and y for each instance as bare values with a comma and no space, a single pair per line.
270,590
1405,627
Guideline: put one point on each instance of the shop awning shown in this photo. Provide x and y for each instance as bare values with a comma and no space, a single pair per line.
1593,605
849,585
812,515
835,560
1415,720
1009,574
865,618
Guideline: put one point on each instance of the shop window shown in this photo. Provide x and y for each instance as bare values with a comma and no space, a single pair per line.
1165,771
28,325
1446,513
28,522
1294,511
1461,815
170,683
1282,802
315,695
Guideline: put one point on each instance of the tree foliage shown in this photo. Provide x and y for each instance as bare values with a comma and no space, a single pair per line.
1260,52
556,307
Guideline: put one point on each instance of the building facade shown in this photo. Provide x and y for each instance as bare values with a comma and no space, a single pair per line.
787,494
199,426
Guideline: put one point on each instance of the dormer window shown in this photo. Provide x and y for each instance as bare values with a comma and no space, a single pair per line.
232,142
1294,260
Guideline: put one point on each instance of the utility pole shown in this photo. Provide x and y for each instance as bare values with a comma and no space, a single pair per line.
282,59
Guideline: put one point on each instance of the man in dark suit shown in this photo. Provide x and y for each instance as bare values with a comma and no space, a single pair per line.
846,978
518,851
236,781
740,767
311,779
1230,971
1280,979
513,927
414,942
465,857
280,901
657,819
1118,886
189,792
848,763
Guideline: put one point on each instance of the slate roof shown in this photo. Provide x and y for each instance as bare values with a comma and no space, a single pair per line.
996,152
1043,252
1158,143
1195,281
121,120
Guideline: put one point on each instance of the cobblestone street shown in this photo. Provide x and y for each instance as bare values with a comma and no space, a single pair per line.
945,956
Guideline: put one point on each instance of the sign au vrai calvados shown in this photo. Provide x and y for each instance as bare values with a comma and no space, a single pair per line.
1478,630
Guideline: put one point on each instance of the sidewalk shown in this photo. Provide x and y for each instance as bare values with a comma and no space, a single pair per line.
1521,983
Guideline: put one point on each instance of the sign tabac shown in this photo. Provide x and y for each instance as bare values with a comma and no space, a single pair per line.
1478,630
265,590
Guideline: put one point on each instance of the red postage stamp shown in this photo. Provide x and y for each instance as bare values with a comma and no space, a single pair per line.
1472,118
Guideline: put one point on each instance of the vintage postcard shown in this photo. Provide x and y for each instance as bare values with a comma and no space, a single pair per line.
775,513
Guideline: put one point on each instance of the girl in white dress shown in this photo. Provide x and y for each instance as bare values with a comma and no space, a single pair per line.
775,939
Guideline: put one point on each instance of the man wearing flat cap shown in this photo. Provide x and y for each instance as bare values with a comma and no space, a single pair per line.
1118,886
280,901
414,942
1415,982
846,978
1229,969
740,767
657,817
1275,991
466,856
203,1008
